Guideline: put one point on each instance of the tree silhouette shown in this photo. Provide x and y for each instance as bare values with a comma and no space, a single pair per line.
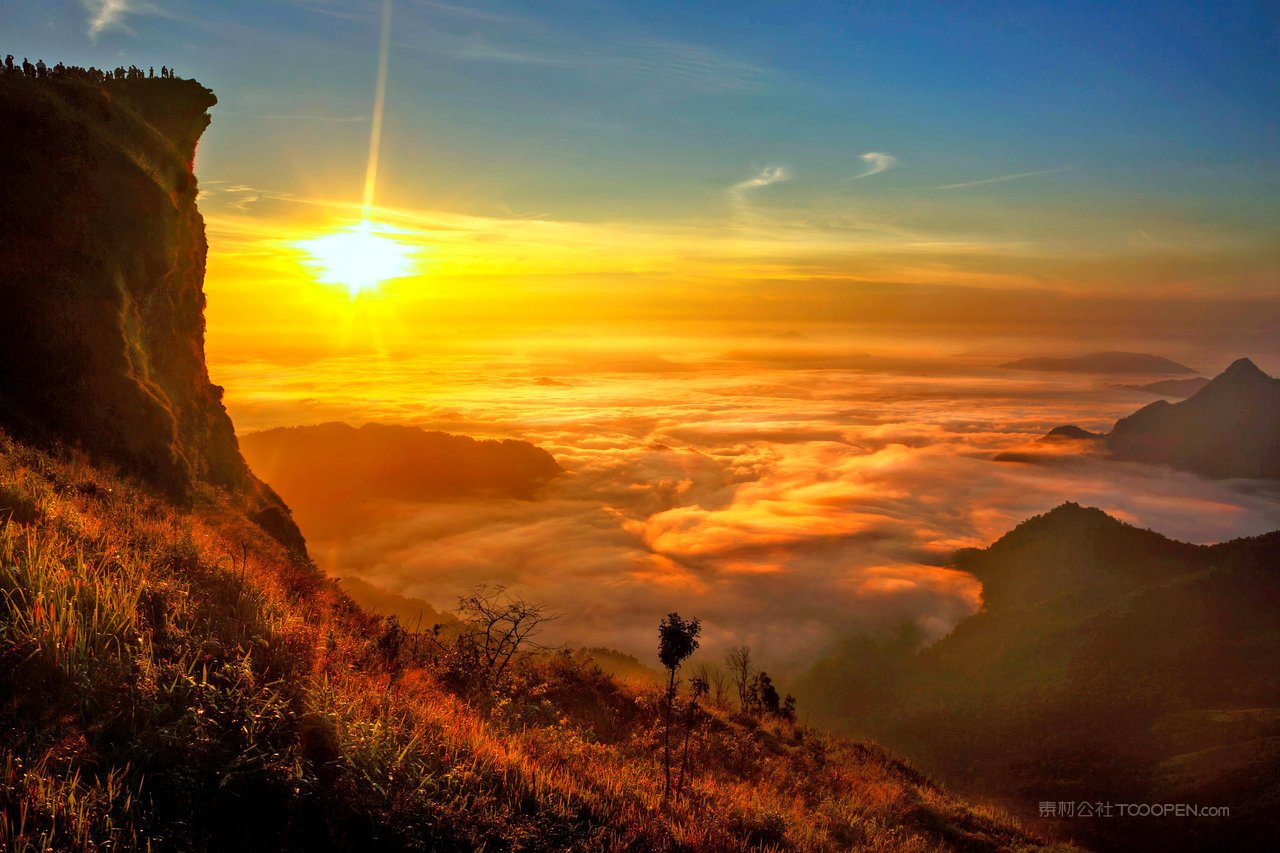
677,640
764,695
738,661
700,688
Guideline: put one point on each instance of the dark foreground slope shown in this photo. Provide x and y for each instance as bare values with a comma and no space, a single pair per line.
102,258
175,680
1109,664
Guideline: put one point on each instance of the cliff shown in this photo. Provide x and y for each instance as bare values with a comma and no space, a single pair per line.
102,260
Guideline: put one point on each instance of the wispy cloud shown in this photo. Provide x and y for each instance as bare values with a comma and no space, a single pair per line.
877,162
1002,178
110,14
653,67
768,175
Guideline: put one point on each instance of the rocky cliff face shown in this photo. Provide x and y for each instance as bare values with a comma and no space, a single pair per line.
102,258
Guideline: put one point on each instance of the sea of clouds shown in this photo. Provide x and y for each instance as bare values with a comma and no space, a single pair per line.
790,495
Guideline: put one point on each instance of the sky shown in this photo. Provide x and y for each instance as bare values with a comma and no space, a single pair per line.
746,269
610,161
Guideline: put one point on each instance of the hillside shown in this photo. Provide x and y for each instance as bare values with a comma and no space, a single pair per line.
1108,664
177,678
1102,362
102,259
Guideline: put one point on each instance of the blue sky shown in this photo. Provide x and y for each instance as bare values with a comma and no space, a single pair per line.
1077,127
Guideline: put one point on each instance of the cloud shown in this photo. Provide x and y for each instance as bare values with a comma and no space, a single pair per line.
768,175
110,14
611,57
877,162
789,508
1015,177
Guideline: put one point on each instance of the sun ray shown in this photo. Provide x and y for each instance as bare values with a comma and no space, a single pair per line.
379,107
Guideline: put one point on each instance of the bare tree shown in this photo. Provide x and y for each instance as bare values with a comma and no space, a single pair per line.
717,683
496,625
738,661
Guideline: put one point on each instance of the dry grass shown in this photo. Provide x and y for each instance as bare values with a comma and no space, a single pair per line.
176,681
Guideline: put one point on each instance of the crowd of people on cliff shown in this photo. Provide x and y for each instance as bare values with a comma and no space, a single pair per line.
41,71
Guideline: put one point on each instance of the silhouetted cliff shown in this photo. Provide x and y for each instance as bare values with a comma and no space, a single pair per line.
102,259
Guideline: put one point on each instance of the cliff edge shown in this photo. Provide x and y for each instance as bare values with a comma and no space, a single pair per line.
102,261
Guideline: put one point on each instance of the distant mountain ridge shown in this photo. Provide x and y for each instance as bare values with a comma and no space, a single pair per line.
337,478
1229,428
399,462
1101,362
1180,388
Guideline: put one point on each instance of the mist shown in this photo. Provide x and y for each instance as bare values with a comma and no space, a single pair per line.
792,507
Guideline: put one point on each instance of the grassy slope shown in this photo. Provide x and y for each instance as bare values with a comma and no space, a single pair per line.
177,680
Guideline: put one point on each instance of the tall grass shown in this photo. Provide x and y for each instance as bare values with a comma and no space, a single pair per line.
176,681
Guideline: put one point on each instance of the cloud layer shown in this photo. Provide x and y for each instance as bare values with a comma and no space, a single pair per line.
788,506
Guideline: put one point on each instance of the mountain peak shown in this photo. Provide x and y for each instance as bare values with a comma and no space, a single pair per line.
1229,428
1069,515
1242,380
1244,368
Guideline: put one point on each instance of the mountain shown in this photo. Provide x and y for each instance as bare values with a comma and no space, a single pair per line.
102,258
1071,433
1180,388
1112,664
1229,428
337,477
1101,362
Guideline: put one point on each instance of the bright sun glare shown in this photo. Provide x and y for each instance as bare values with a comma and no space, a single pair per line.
360,256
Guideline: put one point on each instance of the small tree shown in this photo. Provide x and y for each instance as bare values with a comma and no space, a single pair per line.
700,688
717,683
677,640
788,711
738,661
764,695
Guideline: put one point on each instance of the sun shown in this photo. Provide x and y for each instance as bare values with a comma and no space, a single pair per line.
360,257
